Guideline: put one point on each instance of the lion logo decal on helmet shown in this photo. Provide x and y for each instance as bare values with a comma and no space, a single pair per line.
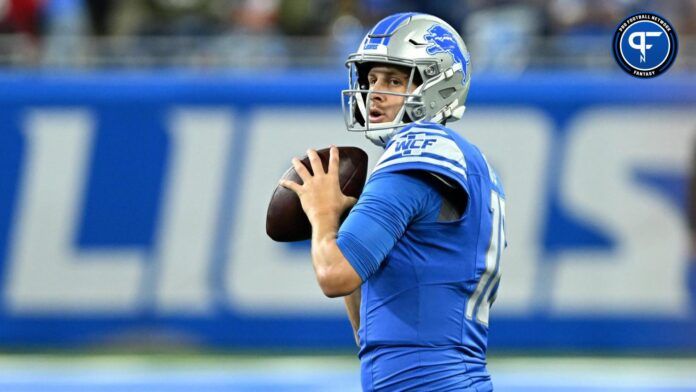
442,41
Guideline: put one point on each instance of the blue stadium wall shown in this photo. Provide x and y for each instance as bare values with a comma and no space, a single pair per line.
132,209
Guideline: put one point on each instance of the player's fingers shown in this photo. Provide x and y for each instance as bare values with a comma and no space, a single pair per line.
301,170
315,162
292,185
333,161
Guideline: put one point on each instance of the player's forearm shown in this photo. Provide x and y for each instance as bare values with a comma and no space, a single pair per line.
324,247
326,255
327,259
353,309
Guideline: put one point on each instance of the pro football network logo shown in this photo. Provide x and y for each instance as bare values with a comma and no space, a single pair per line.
645,45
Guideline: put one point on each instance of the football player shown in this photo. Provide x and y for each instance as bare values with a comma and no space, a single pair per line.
418,257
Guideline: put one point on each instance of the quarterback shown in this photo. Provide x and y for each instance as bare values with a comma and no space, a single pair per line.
418,257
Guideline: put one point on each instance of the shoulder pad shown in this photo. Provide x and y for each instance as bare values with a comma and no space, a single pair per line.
429,149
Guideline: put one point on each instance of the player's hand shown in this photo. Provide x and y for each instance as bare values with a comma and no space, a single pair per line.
320,194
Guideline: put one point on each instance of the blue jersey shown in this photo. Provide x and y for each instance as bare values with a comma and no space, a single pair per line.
428,284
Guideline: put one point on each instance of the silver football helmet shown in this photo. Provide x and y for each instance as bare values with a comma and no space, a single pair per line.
439,65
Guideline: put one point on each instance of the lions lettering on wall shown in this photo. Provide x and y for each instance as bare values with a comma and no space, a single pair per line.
116,211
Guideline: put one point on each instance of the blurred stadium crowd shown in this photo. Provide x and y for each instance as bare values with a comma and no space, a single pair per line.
507,36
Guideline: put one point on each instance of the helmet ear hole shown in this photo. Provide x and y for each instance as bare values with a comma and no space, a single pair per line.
447,92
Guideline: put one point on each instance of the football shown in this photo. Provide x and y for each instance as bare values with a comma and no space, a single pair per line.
285,219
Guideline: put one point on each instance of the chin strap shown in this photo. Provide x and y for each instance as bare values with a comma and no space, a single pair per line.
450,114
458,112
380,137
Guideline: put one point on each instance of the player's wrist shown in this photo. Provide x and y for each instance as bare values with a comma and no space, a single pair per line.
324,227
324,218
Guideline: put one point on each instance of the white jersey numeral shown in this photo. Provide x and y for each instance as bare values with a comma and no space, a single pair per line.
480,301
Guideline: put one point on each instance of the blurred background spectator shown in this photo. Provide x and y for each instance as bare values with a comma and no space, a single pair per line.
507,36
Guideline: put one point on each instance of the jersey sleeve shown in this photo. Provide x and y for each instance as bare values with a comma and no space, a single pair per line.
389,202
427,149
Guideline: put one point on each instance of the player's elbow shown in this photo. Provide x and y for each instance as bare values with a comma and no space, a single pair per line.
331,292
331,286
337,282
